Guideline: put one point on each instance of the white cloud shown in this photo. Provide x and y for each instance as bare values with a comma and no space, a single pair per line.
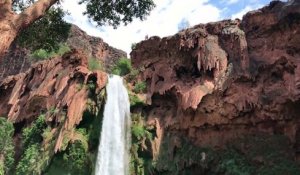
241,13
252,5
232,1
163,21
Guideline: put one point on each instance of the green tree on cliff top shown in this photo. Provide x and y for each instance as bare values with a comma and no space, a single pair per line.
18,15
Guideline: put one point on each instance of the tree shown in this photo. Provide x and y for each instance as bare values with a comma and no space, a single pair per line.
111,12
47,33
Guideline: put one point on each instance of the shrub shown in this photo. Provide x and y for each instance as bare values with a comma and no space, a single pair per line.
141,162
29,160
135,101
42,54
76,159
33,134
122,67
6,146
133,74
94,64
63,48
139,87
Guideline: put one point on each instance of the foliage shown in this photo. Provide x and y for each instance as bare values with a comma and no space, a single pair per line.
33,134
105,11
80,154
139,87
94,64
91,85
132,75
6,146
42,54
243,156
122,67
274,159
179,156
234,163
53,110
35,157
76,159
29,160
141,159
57,166
62,49
46,33
47,134
116,12
138,129
135,100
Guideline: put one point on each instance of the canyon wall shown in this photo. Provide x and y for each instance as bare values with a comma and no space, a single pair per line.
217,82
18,59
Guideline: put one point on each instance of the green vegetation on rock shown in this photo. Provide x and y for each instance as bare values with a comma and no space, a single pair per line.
36,156
76,159
6,146
42,54
135,101
141,157
260,154
94,64
33,134
265,155
78,156
122,67
140,87
29,161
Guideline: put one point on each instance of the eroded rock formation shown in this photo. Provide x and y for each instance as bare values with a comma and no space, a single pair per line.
216,82
58,88
18,60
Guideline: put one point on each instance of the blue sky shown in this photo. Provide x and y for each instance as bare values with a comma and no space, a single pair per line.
166,19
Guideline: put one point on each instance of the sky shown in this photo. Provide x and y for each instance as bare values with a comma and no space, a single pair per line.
166,19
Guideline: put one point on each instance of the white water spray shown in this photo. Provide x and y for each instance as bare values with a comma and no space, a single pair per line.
113,152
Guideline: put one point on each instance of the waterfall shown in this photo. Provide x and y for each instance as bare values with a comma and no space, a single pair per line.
113,152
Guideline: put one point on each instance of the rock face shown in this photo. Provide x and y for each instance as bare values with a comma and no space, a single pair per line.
56,87
94,47
18,60
220,81
14,62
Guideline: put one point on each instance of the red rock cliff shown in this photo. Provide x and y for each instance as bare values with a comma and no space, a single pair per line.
215,82
59,85
18,60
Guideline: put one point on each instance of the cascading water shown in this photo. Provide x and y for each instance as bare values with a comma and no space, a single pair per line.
113,152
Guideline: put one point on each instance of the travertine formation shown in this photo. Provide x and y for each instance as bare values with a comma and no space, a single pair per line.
56,87
216,82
